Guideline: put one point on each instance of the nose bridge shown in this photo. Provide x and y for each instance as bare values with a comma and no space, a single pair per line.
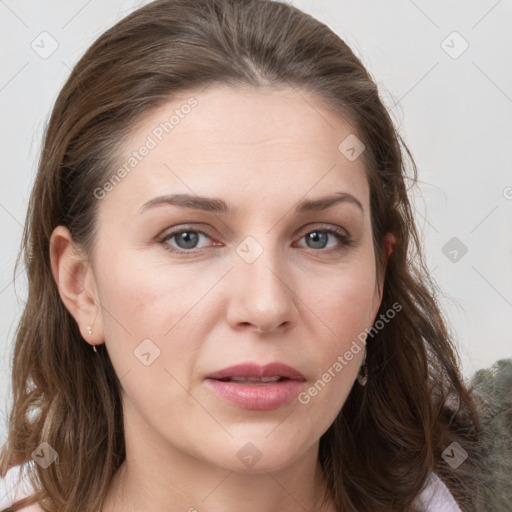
263,295
261,262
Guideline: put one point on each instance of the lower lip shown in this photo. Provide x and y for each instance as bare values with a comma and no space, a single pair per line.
259,397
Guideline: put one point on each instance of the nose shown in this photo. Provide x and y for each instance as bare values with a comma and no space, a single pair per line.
261,295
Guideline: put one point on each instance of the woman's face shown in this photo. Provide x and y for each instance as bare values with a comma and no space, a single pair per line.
242,272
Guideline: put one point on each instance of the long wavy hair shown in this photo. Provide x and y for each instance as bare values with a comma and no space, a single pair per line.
390,434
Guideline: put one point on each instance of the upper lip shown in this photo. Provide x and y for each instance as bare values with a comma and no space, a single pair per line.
258,371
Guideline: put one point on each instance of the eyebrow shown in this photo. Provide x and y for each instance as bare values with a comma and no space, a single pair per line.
216,205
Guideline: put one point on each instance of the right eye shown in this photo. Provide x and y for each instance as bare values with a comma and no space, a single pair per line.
186,240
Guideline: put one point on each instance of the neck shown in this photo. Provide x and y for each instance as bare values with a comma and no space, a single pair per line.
156,476
216,490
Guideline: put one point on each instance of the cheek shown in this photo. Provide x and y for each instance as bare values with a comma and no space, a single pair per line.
345,306
343,310
338,358
145,298
143,301
145,327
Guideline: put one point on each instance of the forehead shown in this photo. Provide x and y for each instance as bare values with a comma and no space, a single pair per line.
223,141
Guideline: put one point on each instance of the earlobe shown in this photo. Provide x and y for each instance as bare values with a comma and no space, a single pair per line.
74,277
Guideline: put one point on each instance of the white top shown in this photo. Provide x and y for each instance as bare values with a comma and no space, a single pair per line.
10,491
435,497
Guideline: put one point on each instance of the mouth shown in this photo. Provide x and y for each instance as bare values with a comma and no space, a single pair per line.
255,387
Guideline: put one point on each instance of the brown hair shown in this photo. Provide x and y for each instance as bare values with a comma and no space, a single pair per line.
390,434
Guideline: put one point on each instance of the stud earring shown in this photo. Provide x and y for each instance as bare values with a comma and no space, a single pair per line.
362,376
89,332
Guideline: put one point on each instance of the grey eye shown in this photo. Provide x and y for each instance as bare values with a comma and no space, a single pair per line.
318,239
187,239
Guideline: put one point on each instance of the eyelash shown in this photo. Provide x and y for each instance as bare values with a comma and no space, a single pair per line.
343,238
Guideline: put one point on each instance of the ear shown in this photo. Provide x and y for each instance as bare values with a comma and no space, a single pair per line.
75,280
389,244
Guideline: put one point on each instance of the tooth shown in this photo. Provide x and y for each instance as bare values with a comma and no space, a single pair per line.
255,379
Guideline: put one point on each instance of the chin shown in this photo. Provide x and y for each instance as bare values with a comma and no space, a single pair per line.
260,453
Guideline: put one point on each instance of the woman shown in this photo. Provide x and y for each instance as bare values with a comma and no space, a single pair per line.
227,299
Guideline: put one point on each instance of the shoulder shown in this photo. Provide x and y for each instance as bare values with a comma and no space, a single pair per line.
436,497
14,486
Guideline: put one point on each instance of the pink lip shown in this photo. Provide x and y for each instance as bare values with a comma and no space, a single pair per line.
259,396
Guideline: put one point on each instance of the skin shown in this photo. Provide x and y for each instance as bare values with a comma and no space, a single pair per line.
298,303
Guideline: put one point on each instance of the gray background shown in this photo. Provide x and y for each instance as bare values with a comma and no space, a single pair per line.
453,108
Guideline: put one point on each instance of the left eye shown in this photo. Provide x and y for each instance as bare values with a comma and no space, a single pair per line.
187,239
319,238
